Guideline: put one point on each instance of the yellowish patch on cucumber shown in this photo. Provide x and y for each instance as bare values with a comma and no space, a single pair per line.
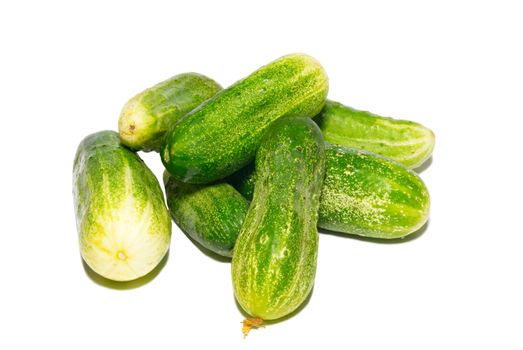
121,246
250,323
134,123
368,208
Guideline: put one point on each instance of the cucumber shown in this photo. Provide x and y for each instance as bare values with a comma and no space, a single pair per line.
146,117
274,260
123,224
212,215
404,141
222,135
369,195
363,194
243,181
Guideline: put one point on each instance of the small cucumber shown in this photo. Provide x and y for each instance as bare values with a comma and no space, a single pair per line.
222,135
211,214
404,141
372,196
274,260
146,117
363,194
123,224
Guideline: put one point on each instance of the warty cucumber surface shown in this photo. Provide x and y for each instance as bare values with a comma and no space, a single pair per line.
223,134
274,260
211,214
363,194
368,195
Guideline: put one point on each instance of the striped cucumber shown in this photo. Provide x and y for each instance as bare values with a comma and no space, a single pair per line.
222,135
123,224
274,260
212,215
146,117
368,195
404,141
363,194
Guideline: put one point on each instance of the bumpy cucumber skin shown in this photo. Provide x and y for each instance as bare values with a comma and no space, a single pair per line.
274,260
123,224
404,141
372,196
363,194
222,135
211,214
146,117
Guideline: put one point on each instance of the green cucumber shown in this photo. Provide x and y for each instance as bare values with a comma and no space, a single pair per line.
369,195
212,215
123,224
274,260
222,135
404,141
243,181
146,117
363,194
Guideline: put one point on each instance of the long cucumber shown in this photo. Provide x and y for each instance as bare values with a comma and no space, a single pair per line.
223,134
274,260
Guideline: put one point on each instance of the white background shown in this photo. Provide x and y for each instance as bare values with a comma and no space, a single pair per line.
67,68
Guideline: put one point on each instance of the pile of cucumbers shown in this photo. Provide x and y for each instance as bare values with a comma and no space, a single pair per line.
252,172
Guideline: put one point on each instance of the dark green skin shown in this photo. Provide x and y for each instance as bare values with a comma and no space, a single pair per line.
363,194
274,260
222,135
243,181
212,215
146,117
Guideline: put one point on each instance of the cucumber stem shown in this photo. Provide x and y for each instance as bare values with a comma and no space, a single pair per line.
250,323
